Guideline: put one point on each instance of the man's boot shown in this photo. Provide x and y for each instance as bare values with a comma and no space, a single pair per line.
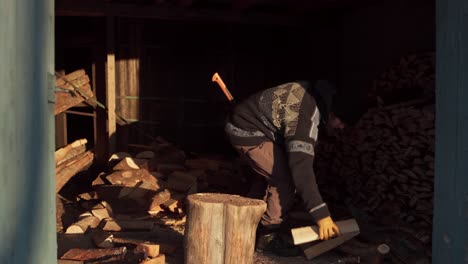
277,241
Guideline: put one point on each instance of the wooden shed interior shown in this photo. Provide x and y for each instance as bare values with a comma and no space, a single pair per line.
166,52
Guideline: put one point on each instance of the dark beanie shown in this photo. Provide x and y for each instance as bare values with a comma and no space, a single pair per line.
323,92
329,99
347,108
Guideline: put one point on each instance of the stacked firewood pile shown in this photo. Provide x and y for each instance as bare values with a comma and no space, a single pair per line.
135,212
384,165
70,160
413,77
388,159
71,90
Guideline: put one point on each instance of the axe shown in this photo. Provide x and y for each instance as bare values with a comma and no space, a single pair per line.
216,78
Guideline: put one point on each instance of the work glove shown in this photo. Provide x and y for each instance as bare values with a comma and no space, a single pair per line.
327,228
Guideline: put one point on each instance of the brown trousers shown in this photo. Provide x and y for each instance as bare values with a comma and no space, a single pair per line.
273,182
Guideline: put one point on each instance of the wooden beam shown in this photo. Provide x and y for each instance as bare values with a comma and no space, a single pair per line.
450,223
99,85
110,84
61,138
92,8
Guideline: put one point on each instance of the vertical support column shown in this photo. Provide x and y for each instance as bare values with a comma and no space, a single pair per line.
61,138
450,226
99,84
27,182
110,84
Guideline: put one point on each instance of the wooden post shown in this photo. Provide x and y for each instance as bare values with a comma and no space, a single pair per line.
99,84
450,225
110,84
221,228
60,130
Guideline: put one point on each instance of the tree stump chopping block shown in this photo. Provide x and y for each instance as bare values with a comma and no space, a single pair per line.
221,228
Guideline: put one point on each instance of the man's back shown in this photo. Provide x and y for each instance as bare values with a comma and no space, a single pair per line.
272,114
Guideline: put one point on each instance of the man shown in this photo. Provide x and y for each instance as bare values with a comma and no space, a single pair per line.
275,130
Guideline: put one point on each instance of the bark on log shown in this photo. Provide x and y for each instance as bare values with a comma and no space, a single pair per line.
66,100
95,254
69,169
83,225
221,228
131,164
130,178
70,151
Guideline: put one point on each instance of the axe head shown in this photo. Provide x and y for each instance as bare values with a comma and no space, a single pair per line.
215,77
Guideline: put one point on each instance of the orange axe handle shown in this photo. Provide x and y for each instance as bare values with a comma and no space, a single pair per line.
216,78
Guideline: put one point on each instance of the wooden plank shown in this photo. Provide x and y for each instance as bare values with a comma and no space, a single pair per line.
450,227
83,225
78,82
79,113
128,78
110,84
70,77
70,151
99,85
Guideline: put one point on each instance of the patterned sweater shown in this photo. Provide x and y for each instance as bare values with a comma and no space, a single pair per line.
288,116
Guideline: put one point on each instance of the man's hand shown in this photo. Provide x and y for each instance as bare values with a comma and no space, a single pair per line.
327,228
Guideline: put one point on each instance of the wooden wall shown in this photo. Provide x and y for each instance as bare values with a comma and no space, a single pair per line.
164,71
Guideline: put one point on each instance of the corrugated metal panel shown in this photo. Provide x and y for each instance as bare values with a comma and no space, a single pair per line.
27,198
